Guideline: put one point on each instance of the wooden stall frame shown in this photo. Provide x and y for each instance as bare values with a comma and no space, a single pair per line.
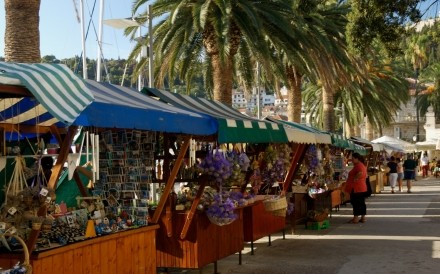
171,179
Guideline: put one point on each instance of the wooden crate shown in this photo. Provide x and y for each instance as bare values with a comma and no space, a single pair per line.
205,243
132,251
258,223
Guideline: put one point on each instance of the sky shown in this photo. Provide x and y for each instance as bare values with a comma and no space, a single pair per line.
60,31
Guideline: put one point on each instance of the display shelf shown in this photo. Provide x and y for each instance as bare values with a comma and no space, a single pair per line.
131,251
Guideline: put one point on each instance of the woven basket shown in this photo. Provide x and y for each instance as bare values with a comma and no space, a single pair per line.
26,264
220,221
299,189
280,212
278,203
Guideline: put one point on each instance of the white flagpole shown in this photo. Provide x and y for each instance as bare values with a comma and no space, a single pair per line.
98,62
83,39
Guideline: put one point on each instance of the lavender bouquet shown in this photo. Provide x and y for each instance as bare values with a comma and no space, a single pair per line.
217,166
221,211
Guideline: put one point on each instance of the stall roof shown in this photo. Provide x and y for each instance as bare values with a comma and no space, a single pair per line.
50,94
395,144
234,127
57,95
374,146
320,136
123,107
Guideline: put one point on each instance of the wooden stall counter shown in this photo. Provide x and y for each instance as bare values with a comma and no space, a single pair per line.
131,251
205,242
259,223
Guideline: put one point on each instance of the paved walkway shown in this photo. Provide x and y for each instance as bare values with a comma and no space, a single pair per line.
401,235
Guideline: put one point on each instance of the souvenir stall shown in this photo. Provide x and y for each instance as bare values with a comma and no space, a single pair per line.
374,153
110,221
315,159
248,138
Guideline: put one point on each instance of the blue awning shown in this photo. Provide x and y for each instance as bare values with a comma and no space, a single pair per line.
51,95
121,107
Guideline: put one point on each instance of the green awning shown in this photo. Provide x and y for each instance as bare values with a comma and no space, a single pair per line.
59,91
234,127
320,136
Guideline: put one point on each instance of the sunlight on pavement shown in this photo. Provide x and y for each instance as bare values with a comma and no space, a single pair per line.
436,249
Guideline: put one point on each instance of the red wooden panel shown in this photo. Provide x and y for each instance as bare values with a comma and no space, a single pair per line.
37,267
67,259
112,256
58,264
78,261
47,265
138,261
258,223
87,259
103,257
120,260
150,250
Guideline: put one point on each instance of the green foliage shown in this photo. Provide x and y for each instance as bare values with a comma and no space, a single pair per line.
381,21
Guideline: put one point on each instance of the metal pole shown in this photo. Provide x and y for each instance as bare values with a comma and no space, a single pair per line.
98,62
83,39
417,106
150,49
139,61
258,91
343,120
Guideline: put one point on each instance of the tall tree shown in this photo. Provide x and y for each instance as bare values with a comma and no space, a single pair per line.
22,34
381,21
215,31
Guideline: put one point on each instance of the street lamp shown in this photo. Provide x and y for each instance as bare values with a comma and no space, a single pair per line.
417,106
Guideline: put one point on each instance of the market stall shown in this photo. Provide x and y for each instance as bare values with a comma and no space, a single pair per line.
103,225
250,138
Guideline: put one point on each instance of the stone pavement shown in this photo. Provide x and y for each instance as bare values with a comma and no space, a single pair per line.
401,235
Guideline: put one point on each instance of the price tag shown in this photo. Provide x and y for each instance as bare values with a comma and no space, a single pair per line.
44,192
12,210
2,226
48,200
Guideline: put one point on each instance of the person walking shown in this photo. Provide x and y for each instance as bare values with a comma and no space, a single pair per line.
392,175
424,161
409,171
356,186
399,174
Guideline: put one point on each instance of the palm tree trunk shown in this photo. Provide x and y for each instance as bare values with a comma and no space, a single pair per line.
294,105
22,34
328,109
369,130
222,78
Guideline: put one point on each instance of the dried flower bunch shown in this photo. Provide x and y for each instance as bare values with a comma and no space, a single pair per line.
216,165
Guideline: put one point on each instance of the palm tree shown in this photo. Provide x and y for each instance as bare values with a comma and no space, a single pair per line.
215,31
431,97
377,98
22,35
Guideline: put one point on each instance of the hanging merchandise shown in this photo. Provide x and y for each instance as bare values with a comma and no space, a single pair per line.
18,179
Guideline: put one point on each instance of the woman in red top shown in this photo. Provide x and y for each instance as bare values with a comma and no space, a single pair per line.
357,187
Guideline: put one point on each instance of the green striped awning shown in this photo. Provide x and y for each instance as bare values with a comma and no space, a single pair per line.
340,141
59,91
320,136
234,127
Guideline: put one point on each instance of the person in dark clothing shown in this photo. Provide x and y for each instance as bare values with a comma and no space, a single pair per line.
392,175
409,171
